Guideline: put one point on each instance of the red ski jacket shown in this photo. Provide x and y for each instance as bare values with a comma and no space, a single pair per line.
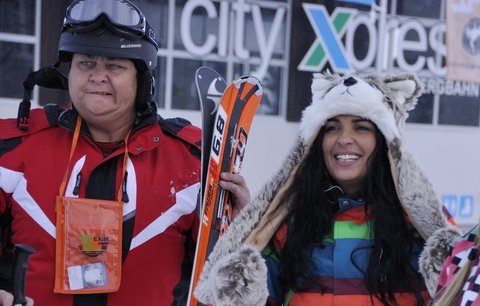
160,193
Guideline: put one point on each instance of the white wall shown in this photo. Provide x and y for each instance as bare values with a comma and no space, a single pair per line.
450,157
9,108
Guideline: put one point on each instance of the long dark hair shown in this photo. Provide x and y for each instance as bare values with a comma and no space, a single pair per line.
311,216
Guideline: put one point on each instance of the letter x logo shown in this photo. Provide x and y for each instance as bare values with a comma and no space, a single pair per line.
328,44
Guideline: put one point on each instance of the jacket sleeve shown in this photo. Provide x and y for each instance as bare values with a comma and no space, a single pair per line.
240,278
10,138
6,250
6,245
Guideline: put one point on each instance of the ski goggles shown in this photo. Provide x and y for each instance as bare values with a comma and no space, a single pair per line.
120,16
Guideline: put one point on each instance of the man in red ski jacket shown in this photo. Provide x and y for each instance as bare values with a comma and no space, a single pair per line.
110,145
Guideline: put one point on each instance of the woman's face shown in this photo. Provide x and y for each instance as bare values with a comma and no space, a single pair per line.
103,89
348,143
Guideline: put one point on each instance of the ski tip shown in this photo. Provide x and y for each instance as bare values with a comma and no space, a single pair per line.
203,68
252,80
205,72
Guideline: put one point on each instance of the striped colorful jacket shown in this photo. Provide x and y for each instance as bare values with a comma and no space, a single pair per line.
338,266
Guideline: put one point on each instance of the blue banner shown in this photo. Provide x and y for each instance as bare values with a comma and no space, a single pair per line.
364,2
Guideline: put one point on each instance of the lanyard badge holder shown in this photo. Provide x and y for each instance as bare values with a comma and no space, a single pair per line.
88,239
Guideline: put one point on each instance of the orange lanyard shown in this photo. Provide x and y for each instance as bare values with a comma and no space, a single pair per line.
76,133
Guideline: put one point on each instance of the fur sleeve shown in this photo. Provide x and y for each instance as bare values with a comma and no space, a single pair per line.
232,252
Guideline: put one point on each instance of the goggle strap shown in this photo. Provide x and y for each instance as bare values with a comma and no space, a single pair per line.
49,77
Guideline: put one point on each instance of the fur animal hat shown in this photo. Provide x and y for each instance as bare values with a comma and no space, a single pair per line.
385,100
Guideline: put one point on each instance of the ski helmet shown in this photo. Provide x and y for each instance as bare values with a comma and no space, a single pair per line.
113,28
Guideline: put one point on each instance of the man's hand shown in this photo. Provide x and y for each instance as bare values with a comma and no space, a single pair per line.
6,299
235,183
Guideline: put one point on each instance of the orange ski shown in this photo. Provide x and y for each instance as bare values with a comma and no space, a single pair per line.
230,134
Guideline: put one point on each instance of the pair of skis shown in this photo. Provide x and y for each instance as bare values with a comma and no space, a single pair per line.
227,114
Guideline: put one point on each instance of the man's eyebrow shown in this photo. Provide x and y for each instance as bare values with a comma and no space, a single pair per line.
107,57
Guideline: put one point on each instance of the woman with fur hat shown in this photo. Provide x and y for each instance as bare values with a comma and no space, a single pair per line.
345,220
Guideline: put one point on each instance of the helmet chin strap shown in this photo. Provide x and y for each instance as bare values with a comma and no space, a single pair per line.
144,103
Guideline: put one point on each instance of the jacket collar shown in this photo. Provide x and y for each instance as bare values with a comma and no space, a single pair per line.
345,203
68,117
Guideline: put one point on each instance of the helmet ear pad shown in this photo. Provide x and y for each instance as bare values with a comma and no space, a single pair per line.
145,90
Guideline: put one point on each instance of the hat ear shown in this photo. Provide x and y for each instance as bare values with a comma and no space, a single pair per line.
322,82
405,88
